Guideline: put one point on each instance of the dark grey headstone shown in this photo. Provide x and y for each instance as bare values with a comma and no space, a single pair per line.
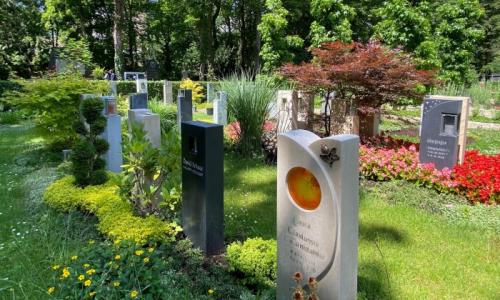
137,101
440,132
184,106
203,185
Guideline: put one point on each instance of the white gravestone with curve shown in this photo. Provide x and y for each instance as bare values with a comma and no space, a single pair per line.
220,109
318,213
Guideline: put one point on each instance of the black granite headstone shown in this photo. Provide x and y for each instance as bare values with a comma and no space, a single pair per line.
184,106
440,132
137,101
203,185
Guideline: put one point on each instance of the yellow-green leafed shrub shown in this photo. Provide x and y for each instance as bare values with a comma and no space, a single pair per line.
196,89
116,217
256,259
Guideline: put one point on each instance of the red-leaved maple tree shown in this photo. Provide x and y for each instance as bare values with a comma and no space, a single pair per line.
366,75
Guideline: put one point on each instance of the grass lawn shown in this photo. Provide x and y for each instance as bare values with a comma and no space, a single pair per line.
31,235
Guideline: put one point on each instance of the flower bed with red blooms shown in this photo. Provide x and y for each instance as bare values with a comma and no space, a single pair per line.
477,178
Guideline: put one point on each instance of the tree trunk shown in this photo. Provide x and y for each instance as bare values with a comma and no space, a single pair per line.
117,37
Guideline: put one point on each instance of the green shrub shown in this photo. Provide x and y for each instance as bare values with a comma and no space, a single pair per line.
482,94
167,112
10,117
155,88
249,103
87,165
116,216
5,87
147,169
256,259
98,73
54,103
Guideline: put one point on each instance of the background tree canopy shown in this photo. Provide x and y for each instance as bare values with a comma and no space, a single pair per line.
210,39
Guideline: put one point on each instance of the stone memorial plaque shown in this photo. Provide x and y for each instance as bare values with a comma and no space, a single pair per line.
168,97
220,109
443,130
203,185
150,123
138,101
141,86
184,106
318,213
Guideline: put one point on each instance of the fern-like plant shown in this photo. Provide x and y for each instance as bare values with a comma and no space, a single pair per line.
87,165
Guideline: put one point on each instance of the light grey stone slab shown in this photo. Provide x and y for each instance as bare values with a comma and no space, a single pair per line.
150,122
141,86
168,97
184,107
113,135
318,224
220,109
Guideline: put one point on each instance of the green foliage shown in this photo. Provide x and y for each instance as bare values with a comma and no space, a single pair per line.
332,21
116,216
249,104
87,165
276,44
76,54
167,112
10,117
5,88
148,170
486,94
54,104
98,73
256,259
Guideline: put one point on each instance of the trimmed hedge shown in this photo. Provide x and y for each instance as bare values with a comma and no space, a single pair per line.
116,216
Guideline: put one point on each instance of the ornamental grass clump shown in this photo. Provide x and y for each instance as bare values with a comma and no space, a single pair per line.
87,165
249,104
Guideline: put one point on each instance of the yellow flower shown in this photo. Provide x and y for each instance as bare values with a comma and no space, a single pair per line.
87,282
56,267
210,291
86,266
74,257
90,272
65,273
81,277
134,294
117,257
116,283
92,294
139,252
146,260
51,290
151,249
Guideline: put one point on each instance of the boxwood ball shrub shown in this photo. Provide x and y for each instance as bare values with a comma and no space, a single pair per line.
256,260
87,165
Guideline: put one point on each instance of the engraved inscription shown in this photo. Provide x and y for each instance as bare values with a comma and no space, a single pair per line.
192,167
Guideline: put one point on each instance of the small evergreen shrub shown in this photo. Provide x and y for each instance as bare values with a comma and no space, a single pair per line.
87,165
116,216
196,90
256,259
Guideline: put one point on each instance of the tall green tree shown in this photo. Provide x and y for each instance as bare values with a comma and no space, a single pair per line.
332,21
276,43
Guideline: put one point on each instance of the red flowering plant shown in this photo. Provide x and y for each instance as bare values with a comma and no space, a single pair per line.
233,130
478,178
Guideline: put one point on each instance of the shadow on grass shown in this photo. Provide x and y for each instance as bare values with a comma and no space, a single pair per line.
373,282
372,232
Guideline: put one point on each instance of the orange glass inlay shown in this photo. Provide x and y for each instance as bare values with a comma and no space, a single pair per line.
304,188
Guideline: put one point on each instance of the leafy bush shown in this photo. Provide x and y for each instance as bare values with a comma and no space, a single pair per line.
87,165
147,169
167,112
196,89
116,216
249,103
256,259
124,270
54,103
98,73
5,87
10,117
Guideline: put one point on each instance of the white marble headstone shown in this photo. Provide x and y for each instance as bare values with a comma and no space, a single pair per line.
318,213
284,106
220,109
141,86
